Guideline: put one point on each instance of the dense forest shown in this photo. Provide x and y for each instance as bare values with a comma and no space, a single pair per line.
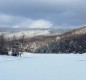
73,41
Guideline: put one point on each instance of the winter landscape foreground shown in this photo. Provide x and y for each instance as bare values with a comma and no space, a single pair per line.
43,67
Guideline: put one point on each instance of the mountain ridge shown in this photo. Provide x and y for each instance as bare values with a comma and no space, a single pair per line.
73,41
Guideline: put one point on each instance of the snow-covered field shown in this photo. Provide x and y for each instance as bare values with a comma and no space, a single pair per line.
43,67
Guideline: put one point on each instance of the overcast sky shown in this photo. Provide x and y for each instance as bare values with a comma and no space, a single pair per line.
42,13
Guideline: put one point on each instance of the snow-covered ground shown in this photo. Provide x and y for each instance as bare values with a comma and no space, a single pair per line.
43,67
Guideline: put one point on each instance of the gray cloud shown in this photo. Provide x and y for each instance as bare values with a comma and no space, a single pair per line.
59,12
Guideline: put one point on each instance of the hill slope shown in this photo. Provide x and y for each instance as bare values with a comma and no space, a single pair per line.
70,42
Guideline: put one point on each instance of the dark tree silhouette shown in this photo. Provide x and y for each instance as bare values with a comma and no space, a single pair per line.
3,49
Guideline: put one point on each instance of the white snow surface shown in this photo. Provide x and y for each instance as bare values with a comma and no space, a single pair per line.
43,67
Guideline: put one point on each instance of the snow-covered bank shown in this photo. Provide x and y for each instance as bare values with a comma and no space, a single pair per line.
43,67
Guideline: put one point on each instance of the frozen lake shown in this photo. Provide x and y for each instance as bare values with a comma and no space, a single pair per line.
43,67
